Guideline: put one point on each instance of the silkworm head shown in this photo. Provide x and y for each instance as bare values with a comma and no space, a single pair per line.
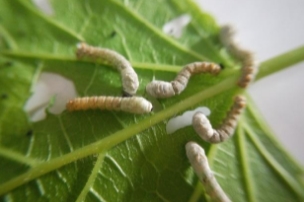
193,150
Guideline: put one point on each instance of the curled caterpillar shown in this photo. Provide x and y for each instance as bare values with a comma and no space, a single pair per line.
245,56
163,89
135,105
204,129
199,163
128,75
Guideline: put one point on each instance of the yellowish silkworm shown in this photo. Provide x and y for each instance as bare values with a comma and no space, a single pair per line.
163,89
135,105
200,165
128,75
204,129
249,66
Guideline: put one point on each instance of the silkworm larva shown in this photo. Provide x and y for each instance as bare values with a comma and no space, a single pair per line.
204,129
249,66
199,163
135,105
163,89
128,75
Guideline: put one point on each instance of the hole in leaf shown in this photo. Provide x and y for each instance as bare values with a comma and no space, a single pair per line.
44,6
29,133
4,96
175,26
113,34
185,119
51,91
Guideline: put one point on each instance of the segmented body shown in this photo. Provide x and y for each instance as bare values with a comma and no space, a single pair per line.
249,66
204,129
135,105
163,89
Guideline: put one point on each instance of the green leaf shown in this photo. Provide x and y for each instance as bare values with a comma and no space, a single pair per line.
114,156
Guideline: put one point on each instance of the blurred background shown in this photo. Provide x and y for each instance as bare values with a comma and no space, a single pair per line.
270,28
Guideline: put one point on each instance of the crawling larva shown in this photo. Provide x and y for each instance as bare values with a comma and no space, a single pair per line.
135,105
249,66
199,163
163,89
204,129
128,75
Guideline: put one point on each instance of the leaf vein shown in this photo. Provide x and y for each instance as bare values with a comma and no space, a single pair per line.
248,181
97,195
91,178
158,32
9,39
66,136
26,5
294,185
7,153
63,179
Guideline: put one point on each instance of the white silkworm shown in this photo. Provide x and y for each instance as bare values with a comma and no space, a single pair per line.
204,129
135,105
199,163
249,66
163,89
128,75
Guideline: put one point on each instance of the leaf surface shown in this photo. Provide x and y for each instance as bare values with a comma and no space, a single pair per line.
114,156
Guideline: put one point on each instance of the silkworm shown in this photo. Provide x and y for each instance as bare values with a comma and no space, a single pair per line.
128,75
249,66
204,129
135,105
163,89
199,163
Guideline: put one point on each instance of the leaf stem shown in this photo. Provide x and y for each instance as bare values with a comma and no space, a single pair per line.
280,62
266,68
46,56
